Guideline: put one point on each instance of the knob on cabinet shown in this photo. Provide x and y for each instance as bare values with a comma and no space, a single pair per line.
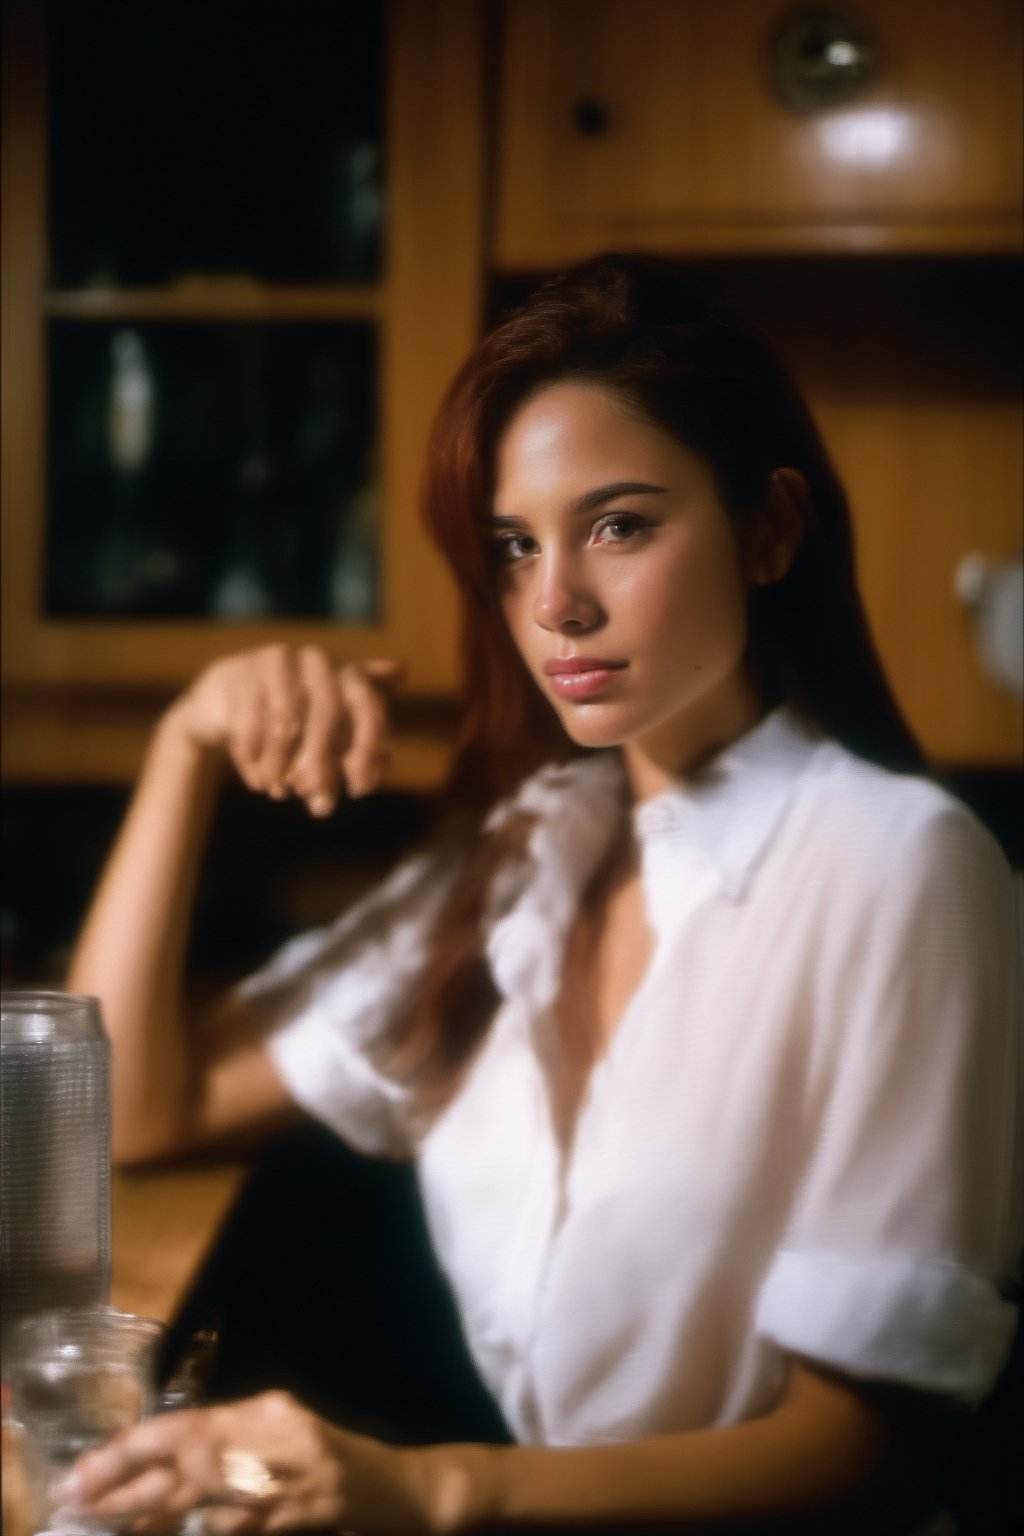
592,116
821,56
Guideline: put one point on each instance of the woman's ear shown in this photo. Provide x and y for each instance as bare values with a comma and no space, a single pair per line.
779,527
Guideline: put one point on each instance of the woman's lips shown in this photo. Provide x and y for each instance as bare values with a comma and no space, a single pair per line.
580,677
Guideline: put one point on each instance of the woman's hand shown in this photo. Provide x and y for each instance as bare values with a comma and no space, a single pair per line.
293,721
264,1464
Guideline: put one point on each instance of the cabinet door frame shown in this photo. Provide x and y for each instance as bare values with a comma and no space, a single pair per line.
751,177
428,304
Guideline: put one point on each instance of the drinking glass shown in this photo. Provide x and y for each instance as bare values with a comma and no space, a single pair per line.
54,1154
77,1376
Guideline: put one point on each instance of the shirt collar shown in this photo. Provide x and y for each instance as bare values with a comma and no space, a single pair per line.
726,814
732,807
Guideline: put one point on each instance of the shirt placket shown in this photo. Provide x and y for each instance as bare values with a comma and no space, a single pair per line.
529,1259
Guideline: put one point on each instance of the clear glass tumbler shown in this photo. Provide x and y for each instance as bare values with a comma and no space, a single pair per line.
54,1153
77,1376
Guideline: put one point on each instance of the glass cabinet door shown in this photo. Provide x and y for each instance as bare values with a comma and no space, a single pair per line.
215,136
212,468
243,254
223,470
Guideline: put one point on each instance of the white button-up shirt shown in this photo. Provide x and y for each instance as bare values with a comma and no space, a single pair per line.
804,1135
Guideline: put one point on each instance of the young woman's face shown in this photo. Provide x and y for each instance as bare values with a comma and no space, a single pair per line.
620,578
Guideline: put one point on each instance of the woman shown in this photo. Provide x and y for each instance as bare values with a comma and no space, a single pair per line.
699,1025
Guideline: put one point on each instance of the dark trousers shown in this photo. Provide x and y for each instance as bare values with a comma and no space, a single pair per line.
323,1282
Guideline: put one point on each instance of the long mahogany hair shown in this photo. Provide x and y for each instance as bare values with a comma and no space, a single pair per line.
644,328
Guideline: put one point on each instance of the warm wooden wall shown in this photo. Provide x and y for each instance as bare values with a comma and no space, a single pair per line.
888,282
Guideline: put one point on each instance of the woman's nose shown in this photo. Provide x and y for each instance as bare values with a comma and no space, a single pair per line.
564,600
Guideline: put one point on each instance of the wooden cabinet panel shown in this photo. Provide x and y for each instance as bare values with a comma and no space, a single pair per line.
931,481
910,368
699,153
425,312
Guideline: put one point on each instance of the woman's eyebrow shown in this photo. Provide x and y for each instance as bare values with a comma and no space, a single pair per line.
595,498
602,493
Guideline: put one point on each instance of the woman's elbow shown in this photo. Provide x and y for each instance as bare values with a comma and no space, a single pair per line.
879,1446
133,1145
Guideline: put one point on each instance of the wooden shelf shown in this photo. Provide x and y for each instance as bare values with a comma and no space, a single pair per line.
168,653
215,298
76,735
548,250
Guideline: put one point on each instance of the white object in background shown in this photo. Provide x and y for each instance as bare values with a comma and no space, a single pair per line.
994,592
130,418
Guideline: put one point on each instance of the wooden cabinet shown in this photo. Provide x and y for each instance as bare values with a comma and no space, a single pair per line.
656,124
911,367
81,690
872,240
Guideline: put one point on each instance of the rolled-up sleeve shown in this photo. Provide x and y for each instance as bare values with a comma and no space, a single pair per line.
327,998
904,1241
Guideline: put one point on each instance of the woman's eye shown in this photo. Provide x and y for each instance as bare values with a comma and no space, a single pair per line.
511,547
619,527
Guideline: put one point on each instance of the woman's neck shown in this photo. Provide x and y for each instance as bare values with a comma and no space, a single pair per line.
686,743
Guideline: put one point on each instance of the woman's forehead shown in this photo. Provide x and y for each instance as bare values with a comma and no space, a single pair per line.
585,432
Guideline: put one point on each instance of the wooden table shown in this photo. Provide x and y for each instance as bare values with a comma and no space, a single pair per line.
163,1223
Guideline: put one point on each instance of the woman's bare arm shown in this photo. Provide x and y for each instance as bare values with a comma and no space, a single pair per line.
831,1459
290,722
834,1458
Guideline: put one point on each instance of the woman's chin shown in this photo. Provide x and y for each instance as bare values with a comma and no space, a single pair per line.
595,725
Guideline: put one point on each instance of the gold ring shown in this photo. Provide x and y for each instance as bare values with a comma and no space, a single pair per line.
247,1477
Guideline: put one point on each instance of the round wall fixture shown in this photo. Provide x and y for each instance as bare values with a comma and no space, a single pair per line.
592,116
821,56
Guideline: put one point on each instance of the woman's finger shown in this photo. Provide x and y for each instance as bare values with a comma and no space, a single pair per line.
284,715
151,1493
154,1444
363,761
315,772
383,671
261,1465
156,1525
218,1520
246,717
